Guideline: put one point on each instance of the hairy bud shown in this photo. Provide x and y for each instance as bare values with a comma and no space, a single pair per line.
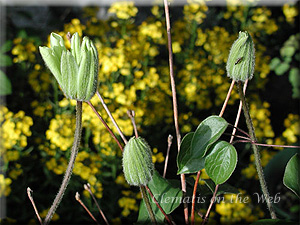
137,162
76,71
241,59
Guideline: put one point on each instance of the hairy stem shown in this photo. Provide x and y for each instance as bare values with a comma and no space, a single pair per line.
259,169
68,172
148,205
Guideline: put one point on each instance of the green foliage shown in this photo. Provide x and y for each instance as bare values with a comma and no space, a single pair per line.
289,62
168,196
291,177
5,61
134,74
205,135
221,162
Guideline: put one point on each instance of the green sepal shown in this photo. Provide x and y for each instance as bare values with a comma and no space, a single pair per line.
52,62
69,68
75,47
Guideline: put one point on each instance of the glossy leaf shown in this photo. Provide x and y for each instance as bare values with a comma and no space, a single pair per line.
221,162
194,145
168,197
186,162
291,178
207,133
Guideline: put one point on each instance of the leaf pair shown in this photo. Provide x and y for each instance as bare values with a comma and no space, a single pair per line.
201,149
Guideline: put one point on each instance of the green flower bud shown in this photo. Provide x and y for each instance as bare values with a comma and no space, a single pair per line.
76,71
137,162
241,59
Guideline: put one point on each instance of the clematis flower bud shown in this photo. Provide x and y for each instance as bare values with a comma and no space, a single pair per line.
137,162
241,59
76,71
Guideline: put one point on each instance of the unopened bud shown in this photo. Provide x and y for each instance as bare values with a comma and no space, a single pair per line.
137,162
76,71
241,59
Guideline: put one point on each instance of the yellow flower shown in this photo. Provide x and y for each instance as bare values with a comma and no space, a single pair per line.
128,204
5,185
123,10
176,47
290,12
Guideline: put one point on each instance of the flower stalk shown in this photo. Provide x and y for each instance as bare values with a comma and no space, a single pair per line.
255,148
68,173
148,205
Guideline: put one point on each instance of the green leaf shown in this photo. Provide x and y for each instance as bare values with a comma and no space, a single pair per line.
221,162
186,163
5,60
194,145
273,222
282,68
291,178
166,195
207,133
6,47
5,85
274,63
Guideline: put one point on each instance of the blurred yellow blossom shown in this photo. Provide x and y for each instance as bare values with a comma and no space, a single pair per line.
5,185
128,204
123,9
290,12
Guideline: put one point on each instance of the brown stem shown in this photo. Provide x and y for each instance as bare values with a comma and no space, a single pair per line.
111,117
29,193
157,204
266,145
205,220
106,126
238,115
170,138
131,115
194,197
175,108
227,98
77,197
240,130
88,188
